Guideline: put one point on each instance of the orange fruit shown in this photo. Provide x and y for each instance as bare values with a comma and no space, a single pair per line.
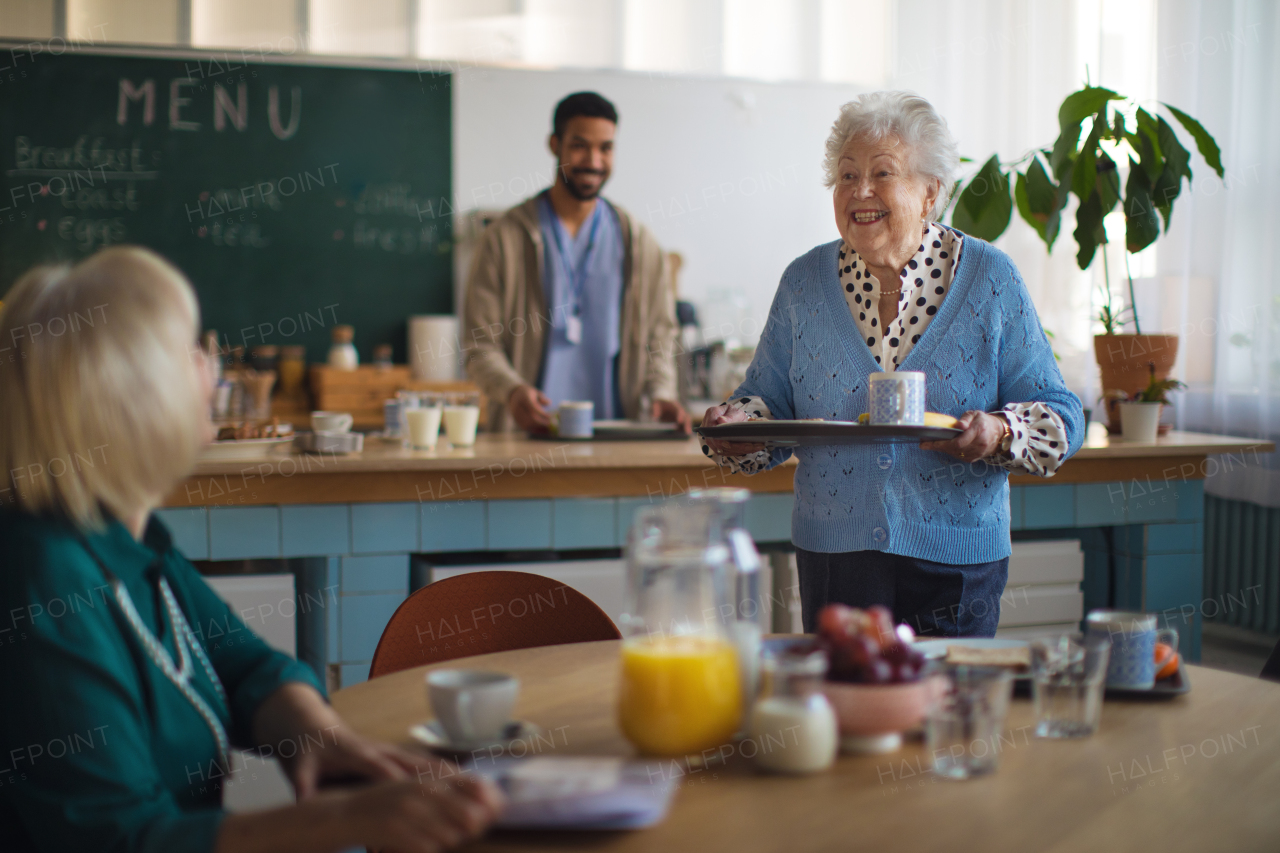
1166,661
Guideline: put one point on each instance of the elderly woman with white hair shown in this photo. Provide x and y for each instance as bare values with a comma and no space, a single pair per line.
121,706
895,524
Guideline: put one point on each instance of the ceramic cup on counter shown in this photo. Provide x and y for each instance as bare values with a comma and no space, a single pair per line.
331,421
573,419
897,399
472,705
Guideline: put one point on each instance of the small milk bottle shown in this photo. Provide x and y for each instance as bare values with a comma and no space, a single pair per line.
792,724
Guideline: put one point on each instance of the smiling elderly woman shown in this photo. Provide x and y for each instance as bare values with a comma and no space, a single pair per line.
897,524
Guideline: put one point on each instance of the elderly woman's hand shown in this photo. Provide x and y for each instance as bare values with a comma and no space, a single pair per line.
726,414
982,436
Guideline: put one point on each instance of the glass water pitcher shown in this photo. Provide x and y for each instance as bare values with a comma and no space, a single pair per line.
681,690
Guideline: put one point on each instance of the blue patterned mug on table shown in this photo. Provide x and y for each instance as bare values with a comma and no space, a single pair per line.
1133,645
896,399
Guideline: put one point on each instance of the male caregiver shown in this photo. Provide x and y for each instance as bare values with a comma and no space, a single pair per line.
569,297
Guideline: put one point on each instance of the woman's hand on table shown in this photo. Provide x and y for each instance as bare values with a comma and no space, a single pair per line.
421,817
407,816
315,746
726,414
981,437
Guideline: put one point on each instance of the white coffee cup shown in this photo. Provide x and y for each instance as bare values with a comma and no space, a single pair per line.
460,424
424,427
331,422
473,705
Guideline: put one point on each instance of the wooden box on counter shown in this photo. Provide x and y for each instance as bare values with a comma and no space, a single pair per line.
363,391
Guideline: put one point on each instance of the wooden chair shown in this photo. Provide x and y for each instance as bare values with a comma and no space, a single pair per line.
481,612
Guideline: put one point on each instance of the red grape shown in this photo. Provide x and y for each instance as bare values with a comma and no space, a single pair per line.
834,621
895,653
879,672
882,623
904,672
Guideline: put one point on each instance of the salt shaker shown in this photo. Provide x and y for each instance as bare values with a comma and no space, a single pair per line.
342,353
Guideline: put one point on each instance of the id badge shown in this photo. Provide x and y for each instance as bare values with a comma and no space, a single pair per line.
573,329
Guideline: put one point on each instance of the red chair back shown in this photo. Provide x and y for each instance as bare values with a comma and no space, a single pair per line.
481,612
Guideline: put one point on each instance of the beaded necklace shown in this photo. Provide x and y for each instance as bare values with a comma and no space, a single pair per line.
188,646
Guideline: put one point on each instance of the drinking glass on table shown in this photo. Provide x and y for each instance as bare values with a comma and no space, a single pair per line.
1069,673
962,729
681,690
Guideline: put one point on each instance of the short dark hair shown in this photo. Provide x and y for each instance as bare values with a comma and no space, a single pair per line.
587,104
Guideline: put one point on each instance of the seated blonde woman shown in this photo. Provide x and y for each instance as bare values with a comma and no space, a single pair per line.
116,715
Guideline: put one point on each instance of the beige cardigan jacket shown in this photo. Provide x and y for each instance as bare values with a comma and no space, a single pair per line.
505,317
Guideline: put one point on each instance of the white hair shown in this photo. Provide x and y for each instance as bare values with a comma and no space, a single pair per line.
101,405
912,119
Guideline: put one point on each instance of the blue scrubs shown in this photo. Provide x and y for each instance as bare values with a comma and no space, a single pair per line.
582,279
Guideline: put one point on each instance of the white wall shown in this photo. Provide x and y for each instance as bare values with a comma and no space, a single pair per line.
728,173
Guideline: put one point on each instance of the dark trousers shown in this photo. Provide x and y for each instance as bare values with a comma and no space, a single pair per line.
935,599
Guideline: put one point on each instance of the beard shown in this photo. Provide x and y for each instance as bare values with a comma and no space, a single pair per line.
578,190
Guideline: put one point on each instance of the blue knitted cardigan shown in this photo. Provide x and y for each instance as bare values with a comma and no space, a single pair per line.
985,348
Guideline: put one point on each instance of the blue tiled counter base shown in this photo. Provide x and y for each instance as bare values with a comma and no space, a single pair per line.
1160,566
1158,550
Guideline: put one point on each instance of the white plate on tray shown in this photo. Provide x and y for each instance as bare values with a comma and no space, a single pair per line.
822,433
243,448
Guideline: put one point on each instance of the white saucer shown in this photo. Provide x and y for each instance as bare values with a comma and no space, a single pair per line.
433,736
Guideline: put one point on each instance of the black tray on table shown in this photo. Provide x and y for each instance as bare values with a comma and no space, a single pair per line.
823,433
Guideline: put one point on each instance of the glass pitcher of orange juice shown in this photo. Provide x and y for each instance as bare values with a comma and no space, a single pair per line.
681,689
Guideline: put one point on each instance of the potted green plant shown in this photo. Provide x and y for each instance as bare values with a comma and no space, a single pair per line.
1118,129
1140,411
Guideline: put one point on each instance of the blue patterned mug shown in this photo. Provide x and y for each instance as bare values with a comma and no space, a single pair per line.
574,419
1133,645
896,399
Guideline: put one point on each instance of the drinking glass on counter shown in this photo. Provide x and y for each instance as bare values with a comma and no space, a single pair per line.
681,691
423,426
962,728
462,418
1069,673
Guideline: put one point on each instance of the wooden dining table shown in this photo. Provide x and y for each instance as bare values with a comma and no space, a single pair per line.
1200,771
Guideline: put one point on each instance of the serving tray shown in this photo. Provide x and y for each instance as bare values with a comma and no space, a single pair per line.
819,433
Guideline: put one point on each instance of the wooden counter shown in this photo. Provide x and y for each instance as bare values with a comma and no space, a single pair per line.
507,466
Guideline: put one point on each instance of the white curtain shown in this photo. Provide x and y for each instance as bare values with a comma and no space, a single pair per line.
997,71
1219,273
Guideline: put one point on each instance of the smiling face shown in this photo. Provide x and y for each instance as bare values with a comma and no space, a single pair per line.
881,204
584,155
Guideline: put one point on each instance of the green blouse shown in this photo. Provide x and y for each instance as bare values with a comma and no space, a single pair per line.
99,750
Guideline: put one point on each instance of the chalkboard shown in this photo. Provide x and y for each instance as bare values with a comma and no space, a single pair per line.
294,196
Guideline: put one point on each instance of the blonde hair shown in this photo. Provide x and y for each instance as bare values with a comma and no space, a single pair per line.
101,405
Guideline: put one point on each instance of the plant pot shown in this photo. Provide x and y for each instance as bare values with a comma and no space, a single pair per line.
1123,360
1140,421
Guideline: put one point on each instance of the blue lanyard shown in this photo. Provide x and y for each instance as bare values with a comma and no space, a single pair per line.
578,276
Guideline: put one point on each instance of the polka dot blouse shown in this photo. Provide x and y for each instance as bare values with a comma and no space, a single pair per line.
1037,441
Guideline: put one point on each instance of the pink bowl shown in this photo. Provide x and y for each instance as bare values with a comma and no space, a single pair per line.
880,709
